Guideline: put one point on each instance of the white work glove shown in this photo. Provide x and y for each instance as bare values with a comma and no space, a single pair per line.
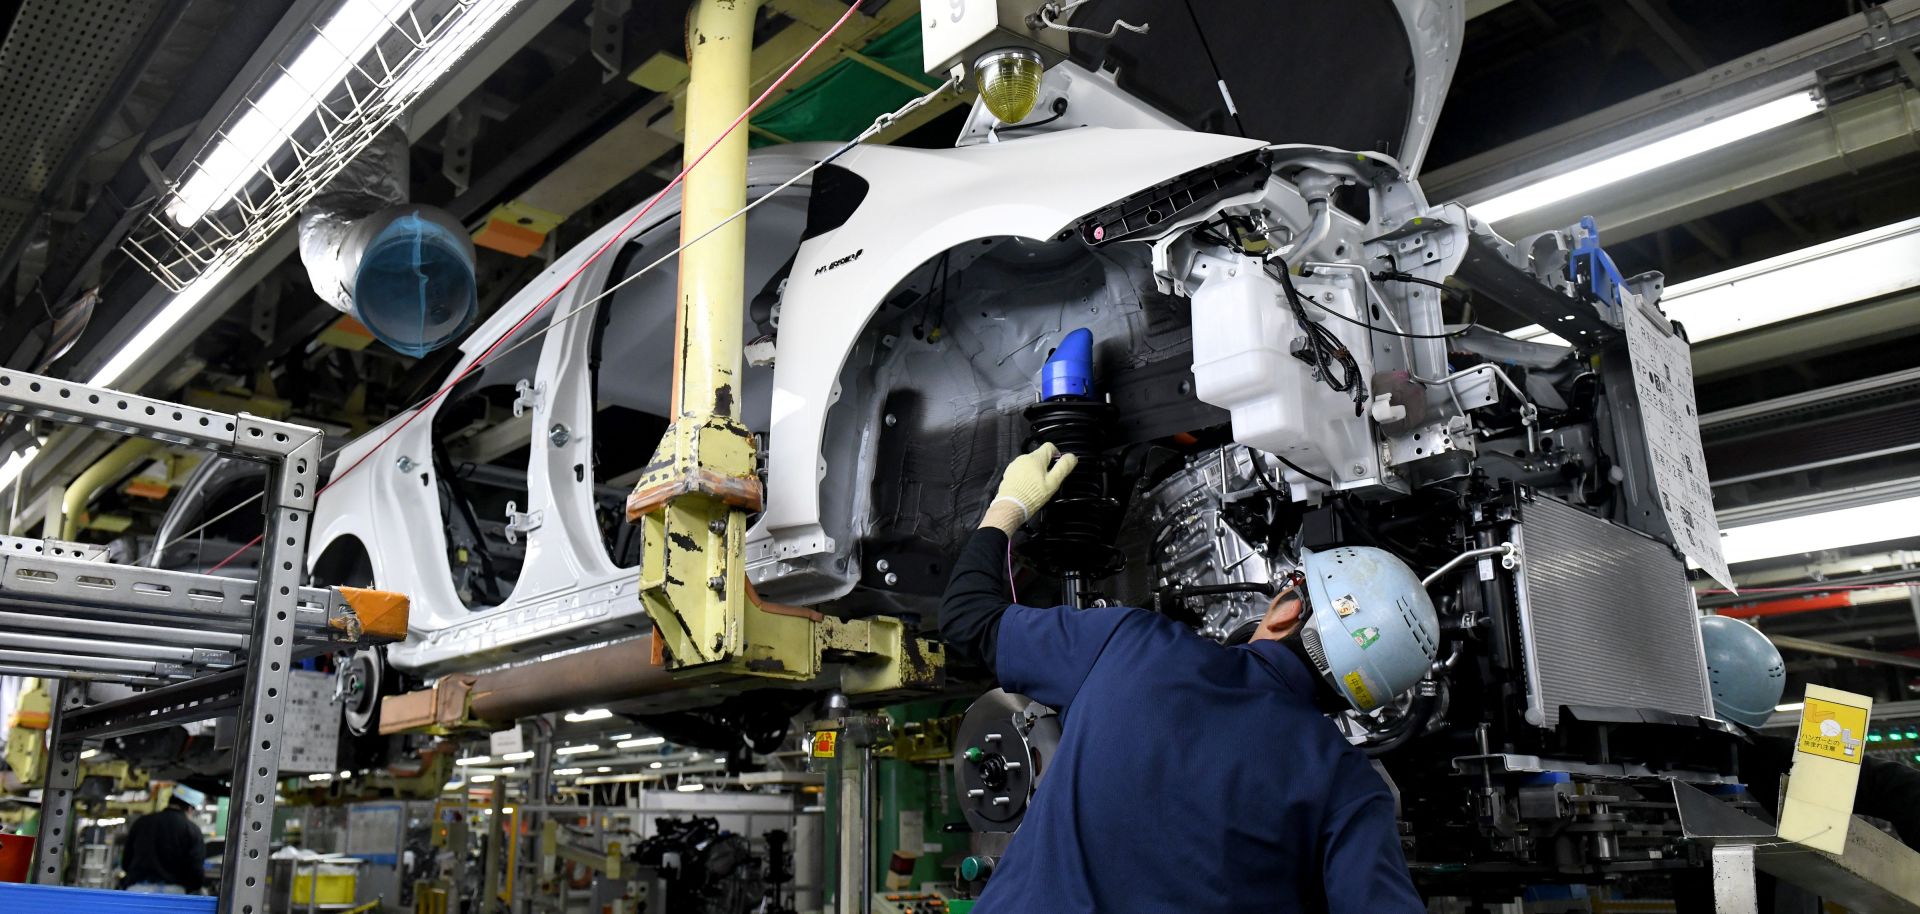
1030,480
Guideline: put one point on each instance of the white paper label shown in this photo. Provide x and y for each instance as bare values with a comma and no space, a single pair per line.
913,827
310,738
1663,378
501,742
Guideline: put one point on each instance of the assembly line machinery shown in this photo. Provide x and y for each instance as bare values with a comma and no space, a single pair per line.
135,649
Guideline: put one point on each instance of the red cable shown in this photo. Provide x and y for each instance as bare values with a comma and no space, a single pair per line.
616,236
1811,588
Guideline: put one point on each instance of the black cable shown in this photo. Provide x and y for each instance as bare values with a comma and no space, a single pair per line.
1296,468
1220,79
1059,111
1465,298
1398,276
1260,472
1212,590
1379,329
1323,349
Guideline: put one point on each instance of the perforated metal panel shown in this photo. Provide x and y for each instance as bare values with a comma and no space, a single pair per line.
1607,618
58,61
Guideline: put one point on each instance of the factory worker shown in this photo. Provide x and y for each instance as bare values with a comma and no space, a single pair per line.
1191,776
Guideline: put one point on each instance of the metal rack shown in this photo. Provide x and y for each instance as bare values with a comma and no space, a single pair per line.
202,646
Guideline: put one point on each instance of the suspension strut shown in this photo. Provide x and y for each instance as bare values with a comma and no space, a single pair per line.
1074,537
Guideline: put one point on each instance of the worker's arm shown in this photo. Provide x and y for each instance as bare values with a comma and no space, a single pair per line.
976,597
978,592
1043,653
1364,871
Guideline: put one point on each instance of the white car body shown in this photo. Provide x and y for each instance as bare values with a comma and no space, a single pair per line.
803,547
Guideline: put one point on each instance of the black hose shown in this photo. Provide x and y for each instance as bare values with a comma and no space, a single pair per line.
1410,727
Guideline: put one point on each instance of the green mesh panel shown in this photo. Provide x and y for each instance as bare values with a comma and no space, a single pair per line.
839,103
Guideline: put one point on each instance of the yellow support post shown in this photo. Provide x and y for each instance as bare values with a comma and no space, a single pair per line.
701,485
697,492
116,461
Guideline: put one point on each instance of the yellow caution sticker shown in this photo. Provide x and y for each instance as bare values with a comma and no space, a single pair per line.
1357,687
823,743
1833,730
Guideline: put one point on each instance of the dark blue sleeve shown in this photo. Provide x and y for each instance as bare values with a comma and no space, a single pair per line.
1365,871
1045,654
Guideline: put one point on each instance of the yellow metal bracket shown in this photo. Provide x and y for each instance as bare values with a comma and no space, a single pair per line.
553,851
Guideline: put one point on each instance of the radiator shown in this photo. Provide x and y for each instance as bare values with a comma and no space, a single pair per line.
1607,618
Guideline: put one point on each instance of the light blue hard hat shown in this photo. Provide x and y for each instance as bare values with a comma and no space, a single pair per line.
189,796
1744,668
1373,632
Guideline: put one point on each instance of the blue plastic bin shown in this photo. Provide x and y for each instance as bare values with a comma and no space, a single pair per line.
45,899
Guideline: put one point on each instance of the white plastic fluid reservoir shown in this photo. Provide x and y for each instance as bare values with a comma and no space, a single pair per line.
1243,333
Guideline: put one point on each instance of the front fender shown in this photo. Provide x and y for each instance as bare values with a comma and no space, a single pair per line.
918,204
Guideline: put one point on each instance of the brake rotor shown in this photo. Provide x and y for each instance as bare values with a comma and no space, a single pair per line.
361,682
1005,743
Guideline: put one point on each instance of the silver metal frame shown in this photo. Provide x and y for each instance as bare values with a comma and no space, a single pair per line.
164,625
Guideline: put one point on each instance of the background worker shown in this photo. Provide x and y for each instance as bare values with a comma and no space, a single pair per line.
165,853
1192,776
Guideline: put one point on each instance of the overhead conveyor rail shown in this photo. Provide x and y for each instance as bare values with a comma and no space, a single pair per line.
203,646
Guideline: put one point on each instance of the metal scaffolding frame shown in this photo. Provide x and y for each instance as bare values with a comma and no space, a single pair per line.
205,645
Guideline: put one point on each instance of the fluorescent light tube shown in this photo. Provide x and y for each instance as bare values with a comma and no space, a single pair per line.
1790,706
575,750
1832,275
691,788
567,772
268,122
1855,526
318,71
581,717
17,464
473,760
290,100
481,779
1642,159
516,756
158,326
642,742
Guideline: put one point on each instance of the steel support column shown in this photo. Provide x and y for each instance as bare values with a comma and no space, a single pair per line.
56,792
290,496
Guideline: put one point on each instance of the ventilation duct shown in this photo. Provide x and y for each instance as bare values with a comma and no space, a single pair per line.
404,271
